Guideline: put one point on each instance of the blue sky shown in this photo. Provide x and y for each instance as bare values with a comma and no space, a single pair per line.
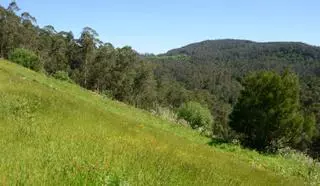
157,26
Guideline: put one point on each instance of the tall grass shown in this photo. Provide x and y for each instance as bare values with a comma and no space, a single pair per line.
169,115
56,133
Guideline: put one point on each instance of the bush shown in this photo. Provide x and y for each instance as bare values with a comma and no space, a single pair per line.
166,114
196,115
169,115
302,164
26,58
62,75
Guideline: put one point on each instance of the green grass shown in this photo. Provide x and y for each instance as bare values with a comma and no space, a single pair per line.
56,133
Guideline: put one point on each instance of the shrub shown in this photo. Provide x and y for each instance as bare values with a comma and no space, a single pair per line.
196,115
107,94
26,58
62,75
168,114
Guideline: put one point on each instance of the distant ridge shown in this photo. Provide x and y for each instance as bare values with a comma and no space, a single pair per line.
245,49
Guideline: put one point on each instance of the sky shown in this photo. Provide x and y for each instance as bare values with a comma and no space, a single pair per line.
156,26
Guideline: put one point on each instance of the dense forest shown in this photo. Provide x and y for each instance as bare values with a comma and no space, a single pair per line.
215,69
216,74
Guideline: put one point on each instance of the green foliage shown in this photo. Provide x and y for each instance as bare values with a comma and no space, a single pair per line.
217,66
62,75
196,114
167,57
144,85
268,112
169,115
26,58
309,134
88,41
172,93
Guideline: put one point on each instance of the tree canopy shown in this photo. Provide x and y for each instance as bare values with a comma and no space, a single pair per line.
268,111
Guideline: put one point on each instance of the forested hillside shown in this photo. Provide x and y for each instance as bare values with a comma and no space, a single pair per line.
244,56
214,69
209,78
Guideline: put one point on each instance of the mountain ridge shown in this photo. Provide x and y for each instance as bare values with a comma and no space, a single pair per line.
232,49
239,41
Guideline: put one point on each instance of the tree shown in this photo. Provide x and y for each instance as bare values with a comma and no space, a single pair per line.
123,73
144,87
268,111
197,115
171,93
9,29
57,55
310,100
13,7
100,72
88,41
28,32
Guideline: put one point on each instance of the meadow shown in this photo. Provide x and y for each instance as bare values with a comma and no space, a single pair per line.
56,133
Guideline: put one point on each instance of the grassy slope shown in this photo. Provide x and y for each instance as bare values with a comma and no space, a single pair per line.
53,132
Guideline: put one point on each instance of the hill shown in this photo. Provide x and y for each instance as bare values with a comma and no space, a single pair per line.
213,70
261,55
244,49
54,132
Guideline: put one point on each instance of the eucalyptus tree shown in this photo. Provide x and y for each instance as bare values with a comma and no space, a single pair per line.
123,73
9,29
88,42
101,68
28,31
144,88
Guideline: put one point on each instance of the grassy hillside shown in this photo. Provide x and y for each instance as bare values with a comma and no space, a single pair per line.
56,133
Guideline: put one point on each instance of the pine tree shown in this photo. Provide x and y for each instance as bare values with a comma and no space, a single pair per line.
268,111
